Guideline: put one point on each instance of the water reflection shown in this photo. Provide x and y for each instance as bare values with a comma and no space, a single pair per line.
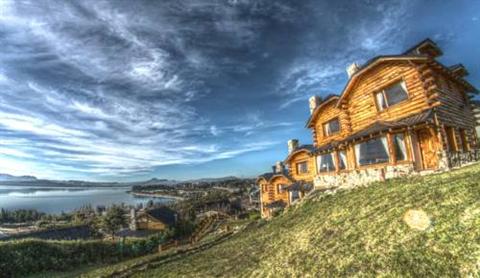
58,199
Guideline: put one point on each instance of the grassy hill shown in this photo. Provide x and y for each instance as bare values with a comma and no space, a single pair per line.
361,232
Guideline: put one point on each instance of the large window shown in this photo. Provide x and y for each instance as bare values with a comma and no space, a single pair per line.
372,151
302,167
400,147
391,95
331,127
326,163
342,160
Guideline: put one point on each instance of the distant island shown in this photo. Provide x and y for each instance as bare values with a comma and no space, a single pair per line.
7,179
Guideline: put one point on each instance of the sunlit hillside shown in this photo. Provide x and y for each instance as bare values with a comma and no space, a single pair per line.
423,226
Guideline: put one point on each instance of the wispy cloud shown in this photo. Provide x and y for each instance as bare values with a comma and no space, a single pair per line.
321,70
104,89
107,87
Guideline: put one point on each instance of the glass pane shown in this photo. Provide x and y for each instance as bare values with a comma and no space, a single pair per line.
400,149
326,163
334,126
396,94
381,104
302,168
373,151
342,155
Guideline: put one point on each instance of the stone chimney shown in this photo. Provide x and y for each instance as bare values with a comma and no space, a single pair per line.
274,169
133,220
292,145
314,101
352,69
279,167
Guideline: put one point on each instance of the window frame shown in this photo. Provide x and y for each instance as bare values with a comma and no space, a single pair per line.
394,149
324,125
332,154
357,158
297,166
339,159
382,91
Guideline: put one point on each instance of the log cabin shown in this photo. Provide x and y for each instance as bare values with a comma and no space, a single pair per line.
278,189
397,115
156,219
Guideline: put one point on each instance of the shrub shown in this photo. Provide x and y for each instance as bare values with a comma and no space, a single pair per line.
24,257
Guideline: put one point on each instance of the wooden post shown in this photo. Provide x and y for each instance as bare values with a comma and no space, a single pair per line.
337,160
391,149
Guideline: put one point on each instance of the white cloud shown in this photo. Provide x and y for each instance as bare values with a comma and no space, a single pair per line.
324,68
214,130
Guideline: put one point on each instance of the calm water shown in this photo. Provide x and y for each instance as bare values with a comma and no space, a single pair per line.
58,199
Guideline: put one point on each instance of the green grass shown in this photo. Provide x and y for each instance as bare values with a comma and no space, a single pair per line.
359,232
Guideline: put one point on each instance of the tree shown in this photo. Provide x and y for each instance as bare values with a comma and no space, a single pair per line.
113,220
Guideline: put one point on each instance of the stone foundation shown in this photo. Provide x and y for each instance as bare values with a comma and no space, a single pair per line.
458,159
356,178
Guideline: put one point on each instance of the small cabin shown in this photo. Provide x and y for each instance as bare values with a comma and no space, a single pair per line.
156,219
278,190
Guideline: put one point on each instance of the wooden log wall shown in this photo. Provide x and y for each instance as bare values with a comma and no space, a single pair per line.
425,82
329,112
283,194
298,158
361,101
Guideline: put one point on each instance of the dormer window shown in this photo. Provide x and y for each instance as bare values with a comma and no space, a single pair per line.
302,168
331,127
391,95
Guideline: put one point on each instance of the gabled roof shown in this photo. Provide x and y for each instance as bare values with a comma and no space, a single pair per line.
163,214
270,176
371,64
425,50
303,148
455,76
459,70
425,47
317,109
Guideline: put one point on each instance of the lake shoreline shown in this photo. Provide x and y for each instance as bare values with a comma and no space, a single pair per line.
67,199
156,195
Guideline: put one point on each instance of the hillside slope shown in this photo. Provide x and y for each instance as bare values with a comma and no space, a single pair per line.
357,232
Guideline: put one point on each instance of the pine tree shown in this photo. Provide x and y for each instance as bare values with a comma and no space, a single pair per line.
114,220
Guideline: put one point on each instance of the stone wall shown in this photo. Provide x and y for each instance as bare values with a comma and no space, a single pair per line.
356,178
458,159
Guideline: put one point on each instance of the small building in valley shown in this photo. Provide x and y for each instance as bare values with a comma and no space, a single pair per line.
156,219
398,115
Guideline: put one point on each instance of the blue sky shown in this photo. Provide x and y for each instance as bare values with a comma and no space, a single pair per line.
129,90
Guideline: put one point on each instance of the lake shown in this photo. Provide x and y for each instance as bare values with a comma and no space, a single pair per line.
58,199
